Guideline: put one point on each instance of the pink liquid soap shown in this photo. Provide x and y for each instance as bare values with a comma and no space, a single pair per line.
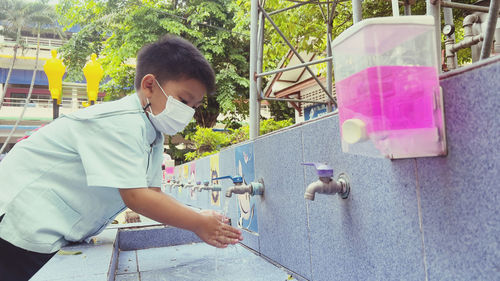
395,102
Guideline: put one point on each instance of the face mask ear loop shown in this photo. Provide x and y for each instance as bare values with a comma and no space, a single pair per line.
161,88
147,105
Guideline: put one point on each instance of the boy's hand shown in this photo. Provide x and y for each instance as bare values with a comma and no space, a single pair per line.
210,226
213,230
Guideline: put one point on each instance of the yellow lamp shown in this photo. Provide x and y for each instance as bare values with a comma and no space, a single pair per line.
93,73
54,69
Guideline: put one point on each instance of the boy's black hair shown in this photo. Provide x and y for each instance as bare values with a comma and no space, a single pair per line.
172,58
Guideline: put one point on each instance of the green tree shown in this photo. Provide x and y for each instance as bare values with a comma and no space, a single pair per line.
206,141
118,29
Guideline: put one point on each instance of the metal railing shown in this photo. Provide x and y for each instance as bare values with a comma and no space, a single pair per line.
258,15
45,43
44,102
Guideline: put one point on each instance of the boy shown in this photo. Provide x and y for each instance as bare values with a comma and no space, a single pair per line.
70,179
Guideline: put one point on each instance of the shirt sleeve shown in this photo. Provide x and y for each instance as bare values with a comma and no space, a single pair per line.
113,152
155,173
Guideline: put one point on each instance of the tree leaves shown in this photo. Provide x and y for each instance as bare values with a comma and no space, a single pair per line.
117,29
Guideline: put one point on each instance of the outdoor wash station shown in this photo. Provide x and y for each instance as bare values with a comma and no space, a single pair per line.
399,182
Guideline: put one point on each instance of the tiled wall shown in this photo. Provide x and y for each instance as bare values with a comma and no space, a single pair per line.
432,218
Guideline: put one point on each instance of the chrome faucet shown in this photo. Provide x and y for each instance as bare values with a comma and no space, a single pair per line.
254,188
197,186
177,183
206,186
326,184
188,184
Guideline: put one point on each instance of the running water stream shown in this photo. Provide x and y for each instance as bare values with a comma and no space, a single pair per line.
219,252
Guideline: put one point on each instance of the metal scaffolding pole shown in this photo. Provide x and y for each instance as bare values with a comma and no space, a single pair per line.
432,9
357,15
329,63
292,100
254,103
448,19
490,29
297,54
473,8
407,7
260,58
262,74
288,8
395,8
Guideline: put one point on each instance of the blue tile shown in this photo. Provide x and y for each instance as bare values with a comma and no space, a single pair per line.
168,257
228,167
127,262
372,235
93,261
113,264
282,215
250,239
128,277
88,277
159,236
203,174
460,193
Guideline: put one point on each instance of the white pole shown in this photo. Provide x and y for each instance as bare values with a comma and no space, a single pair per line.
254,103
395,8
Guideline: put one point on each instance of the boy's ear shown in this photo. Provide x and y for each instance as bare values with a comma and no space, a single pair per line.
147,85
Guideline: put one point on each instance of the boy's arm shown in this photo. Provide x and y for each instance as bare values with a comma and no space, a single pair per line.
209,226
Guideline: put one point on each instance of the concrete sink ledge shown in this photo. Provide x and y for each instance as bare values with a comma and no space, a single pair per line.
139,252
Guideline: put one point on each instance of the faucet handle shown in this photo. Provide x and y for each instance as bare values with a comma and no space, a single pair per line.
322,169
235,180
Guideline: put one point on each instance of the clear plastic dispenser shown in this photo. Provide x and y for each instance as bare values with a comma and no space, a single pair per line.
387,84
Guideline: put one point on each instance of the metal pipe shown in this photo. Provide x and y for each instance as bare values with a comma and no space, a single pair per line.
254,110
407,8
395,8
432,9
297,54
294,67
451,61
490,29
288,8
467,24
473,8
357,15
55,109
466,43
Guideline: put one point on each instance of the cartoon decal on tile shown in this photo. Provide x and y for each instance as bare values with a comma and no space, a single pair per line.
168,167
192,180
247,212
214,172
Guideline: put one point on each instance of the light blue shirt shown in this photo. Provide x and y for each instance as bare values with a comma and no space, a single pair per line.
61,184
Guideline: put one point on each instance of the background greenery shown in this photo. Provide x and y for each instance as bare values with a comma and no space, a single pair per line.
117,29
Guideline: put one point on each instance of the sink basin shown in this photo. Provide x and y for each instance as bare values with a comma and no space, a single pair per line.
156,252
196,261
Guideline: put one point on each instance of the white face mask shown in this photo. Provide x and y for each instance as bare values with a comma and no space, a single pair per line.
174,118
